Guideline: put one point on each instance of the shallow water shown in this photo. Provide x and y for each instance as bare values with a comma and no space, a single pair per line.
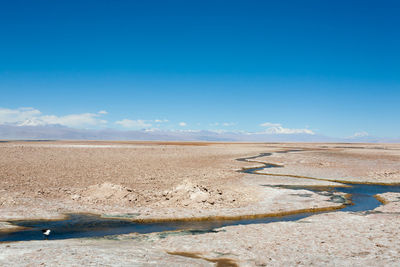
362,195
87,225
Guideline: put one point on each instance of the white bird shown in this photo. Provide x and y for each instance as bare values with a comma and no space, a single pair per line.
46,232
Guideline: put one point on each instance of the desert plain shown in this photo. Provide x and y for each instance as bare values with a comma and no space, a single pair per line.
163,181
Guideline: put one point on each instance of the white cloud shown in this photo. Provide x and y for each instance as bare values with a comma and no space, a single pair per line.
150,130
281,130
186,131
15,116
141,124
33,117
269,124
28,116
74,120
276,128
225,124
361,134
133,123
161,121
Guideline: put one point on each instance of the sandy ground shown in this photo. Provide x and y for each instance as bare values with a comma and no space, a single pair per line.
44,179
167,180
187,180
368,163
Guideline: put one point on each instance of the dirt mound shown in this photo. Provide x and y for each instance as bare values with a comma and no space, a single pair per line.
188,193
106,193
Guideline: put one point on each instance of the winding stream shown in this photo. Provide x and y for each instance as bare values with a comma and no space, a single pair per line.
88,225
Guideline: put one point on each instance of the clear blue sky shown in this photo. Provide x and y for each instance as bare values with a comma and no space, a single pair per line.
329,66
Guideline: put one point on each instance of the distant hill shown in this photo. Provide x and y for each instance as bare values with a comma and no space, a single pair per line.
56,132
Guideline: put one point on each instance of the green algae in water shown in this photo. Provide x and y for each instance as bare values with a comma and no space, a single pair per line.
126,215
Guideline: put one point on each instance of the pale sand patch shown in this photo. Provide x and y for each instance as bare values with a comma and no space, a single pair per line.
391,201
5,226
332,239
357,165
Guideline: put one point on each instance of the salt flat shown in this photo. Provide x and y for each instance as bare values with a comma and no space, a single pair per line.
194,180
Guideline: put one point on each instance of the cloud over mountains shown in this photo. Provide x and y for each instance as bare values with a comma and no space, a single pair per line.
276,128
30,123
33,117
58,132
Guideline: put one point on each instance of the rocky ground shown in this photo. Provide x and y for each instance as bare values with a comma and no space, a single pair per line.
190,180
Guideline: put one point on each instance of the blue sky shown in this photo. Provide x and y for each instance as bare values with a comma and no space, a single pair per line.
329,67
